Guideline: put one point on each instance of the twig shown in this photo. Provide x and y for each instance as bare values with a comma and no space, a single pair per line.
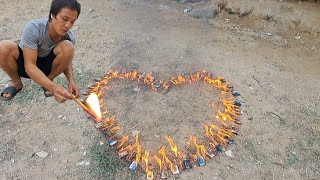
134,126
257,80
110,62
271,65
280,118
168,90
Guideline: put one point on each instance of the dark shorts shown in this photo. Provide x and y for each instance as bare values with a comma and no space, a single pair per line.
44,64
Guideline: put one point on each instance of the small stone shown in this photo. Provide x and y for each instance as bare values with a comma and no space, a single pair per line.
60,116
136,89
86,163
12,160
156,136
250,118
164,7
42,154
90,10
268,34
297,37
64,117
207,12
229,153
188,8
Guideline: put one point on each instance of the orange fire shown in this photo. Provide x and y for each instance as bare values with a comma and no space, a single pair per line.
131,149
145,160
93,105
201,150
109,122
159,162
174,147
217,134
227,114
165,158
123,141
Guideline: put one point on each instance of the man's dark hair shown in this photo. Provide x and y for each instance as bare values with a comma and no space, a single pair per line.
57,5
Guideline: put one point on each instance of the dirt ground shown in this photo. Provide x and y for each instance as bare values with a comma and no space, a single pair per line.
271,55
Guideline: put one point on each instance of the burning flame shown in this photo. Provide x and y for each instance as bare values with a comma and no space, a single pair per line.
174,147
228,115
217,134
201,150
159,162
123,141
93,105
131,149
165,158
145,159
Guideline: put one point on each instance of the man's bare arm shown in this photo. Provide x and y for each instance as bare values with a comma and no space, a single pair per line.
30,64
30,60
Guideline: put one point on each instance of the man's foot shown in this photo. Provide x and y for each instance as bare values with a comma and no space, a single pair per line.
9,92
46,92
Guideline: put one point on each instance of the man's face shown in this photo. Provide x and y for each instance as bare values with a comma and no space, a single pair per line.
64,20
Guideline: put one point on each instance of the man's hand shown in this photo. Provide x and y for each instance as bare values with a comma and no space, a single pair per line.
73,89
61,94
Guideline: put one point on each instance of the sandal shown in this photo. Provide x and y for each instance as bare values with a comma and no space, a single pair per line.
9,90
46,92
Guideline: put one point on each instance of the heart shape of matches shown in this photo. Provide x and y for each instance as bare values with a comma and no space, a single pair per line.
168,162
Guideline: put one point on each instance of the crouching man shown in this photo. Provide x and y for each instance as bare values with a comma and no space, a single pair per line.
46,50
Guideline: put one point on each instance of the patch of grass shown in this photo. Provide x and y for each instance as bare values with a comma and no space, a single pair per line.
292,158
250,145
106,165
86,133
221,174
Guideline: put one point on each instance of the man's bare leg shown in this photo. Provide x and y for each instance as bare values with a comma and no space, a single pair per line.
9,54
64,52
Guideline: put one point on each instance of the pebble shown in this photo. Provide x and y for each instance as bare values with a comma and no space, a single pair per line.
229,153
86,163
206,12
42,154
297,37
136,89
156,136
164,7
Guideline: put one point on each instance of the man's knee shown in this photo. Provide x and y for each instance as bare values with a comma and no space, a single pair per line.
7,49
65,47
3,48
